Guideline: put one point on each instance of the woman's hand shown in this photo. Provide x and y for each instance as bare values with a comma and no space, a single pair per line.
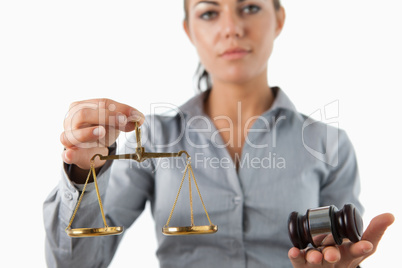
91,126
348,255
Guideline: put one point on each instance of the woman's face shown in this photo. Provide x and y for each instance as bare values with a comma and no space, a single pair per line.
233,38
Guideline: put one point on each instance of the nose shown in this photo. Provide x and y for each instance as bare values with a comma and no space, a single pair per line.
232,25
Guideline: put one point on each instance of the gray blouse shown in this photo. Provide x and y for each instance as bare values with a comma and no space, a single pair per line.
289,162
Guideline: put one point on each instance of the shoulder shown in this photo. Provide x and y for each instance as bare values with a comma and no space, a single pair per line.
170,127
314,129
162,130
325,140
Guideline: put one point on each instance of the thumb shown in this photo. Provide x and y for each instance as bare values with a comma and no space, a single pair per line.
135,118
377,228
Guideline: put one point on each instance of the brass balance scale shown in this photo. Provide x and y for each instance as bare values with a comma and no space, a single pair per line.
140,155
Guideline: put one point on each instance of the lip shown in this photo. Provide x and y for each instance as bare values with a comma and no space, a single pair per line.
234,53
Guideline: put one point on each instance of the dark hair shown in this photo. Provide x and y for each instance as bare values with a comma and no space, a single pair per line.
202,78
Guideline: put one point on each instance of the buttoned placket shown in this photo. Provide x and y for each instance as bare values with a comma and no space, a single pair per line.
230,173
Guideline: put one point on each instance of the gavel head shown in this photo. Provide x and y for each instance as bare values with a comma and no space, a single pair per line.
325,226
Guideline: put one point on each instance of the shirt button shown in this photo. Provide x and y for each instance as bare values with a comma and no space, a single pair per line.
68,195
237,200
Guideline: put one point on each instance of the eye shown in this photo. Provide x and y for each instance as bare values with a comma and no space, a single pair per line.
250,9
209,15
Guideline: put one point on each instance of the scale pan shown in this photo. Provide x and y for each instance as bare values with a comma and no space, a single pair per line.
190,230
87,232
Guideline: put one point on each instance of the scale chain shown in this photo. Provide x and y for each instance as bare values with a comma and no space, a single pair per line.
199,193
79,200
177,197
191,199
97,193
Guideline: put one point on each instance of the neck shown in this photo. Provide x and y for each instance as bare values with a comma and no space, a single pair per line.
241,101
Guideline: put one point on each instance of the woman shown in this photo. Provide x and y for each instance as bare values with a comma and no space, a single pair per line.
249,158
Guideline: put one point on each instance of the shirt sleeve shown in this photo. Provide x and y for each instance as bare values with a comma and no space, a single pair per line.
124,188
342,185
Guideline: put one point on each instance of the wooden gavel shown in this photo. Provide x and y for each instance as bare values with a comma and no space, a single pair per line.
319,224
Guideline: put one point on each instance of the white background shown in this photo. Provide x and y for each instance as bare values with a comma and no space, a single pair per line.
56,52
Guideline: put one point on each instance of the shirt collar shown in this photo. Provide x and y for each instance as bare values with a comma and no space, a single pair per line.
195,106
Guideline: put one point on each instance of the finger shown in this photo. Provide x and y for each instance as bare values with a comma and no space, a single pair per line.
89,137
377,227
79,137
82,157
296,257
331,254
360,249
313,256
328,240
89,116
102,112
